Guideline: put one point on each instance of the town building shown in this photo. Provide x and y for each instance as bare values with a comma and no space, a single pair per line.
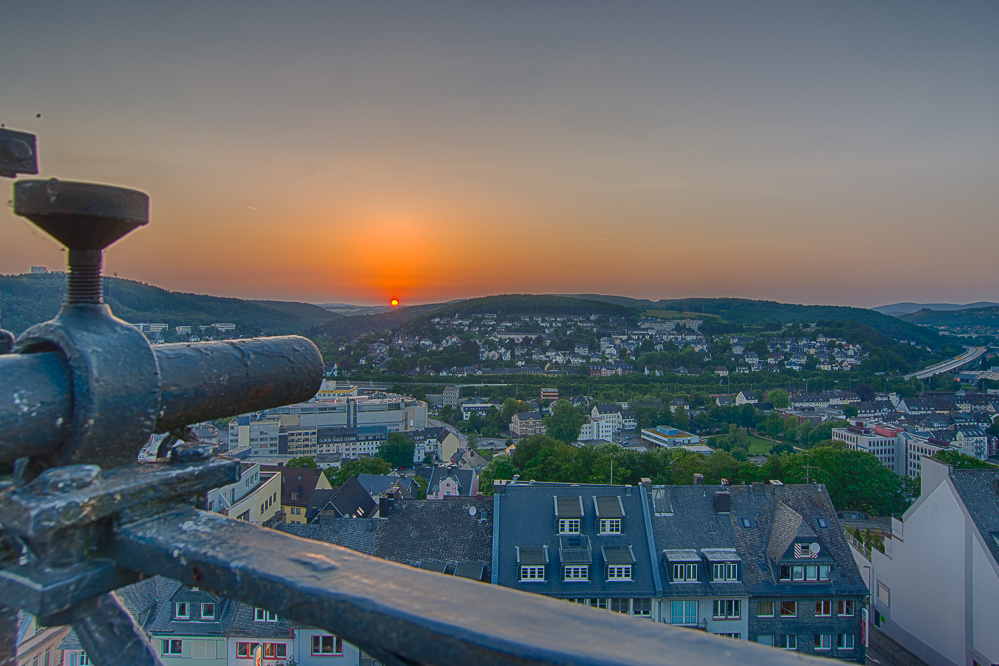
934,589
526,424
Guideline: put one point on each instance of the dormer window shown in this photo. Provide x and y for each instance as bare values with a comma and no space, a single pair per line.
682,565
261,615
610,525
207,611
182,611
569,514
568,525
618,562
725,572
684,573
532,562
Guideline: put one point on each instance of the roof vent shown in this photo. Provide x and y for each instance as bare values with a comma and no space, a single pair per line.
698,479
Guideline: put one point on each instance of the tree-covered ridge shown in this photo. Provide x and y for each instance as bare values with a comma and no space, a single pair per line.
347,328
26,300
972,317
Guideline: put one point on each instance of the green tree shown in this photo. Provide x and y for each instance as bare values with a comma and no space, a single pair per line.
565,422
500,467
778,398
421,487
302,461
680,418
958,460
850,411
397,450
339,475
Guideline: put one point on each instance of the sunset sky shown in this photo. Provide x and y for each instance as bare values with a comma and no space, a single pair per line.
807,152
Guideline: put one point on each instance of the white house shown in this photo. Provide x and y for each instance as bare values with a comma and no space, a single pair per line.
935,589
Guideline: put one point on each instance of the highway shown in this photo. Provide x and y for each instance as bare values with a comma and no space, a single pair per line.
970,354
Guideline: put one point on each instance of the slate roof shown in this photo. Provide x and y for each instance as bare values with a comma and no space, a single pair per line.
527,519
300,480
979,491
351,500
376,484
777,516
608,409
415,531
464,477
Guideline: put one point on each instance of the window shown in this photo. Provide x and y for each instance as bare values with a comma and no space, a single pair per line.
884,594
684,573
764,609
619,572
798,573
576,572
610,525
568,525
844,607
323,645
683,613
823,572
789,642
727,571
789,609
727,609
641,607
823,608
737,637
597,603
207,611
620,605
85,660
246,650
811,572
172,646
785,572
296,511
262,615
844,641
765,639
275,650
182,611
823,641
532,573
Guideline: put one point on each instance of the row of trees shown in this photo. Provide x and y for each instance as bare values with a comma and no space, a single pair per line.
854,479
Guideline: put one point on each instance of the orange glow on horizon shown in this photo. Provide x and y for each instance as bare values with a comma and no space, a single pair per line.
394,302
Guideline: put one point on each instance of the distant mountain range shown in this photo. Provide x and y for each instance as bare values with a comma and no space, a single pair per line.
899,309
987,316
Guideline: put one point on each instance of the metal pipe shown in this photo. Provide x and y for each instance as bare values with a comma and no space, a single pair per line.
198,382
210,380
36,404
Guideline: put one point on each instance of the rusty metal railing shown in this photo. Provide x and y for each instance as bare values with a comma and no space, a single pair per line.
79,397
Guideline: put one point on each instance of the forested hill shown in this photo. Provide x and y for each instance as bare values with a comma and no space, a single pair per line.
744,311
29,299
988,316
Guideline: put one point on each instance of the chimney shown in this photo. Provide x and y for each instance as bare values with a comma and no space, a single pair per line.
647,483
478,495
499,487
383,506
723,501
698,479
757,487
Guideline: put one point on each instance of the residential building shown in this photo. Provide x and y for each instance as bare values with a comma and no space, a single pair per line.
611,413
474,406
882,441
746,397
395,412
39,645
297,485
585,544
253,499
452,482
352,442
526,424
597,429
549,394
452,396
934,589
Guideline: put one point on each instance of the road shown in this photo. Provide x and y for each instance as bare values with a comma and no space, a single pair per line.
970,354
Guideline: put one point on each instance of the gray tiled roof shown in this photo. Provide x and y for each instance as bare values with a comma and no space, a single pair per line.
979,490
414,532
527,519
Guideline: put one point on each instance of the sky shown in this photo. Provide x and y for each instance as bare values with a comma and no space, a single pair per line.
840,153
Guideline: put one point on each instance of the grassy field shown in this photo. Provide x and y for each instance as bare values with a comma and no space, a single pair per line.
759,446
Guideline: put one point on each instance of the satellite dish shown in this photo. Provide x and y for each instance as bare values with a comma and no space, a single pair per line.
471,510
814,549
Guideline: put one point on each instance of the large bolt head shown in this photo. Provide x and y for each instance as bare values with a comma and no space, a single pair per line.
81,216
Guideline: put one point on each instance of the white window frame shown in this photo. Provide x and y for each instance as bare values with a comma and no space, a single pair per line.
172,647
644,612
204,614
317,640
845,607
687,616
684,573
823,609
264,615
569,525
610,525
531,573
794,606
186,614
823,642
845,641
759,612
725,572
576,573
619,572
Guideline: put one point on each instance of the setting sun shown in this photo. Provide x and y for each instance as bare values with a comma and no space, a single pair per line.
394,302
